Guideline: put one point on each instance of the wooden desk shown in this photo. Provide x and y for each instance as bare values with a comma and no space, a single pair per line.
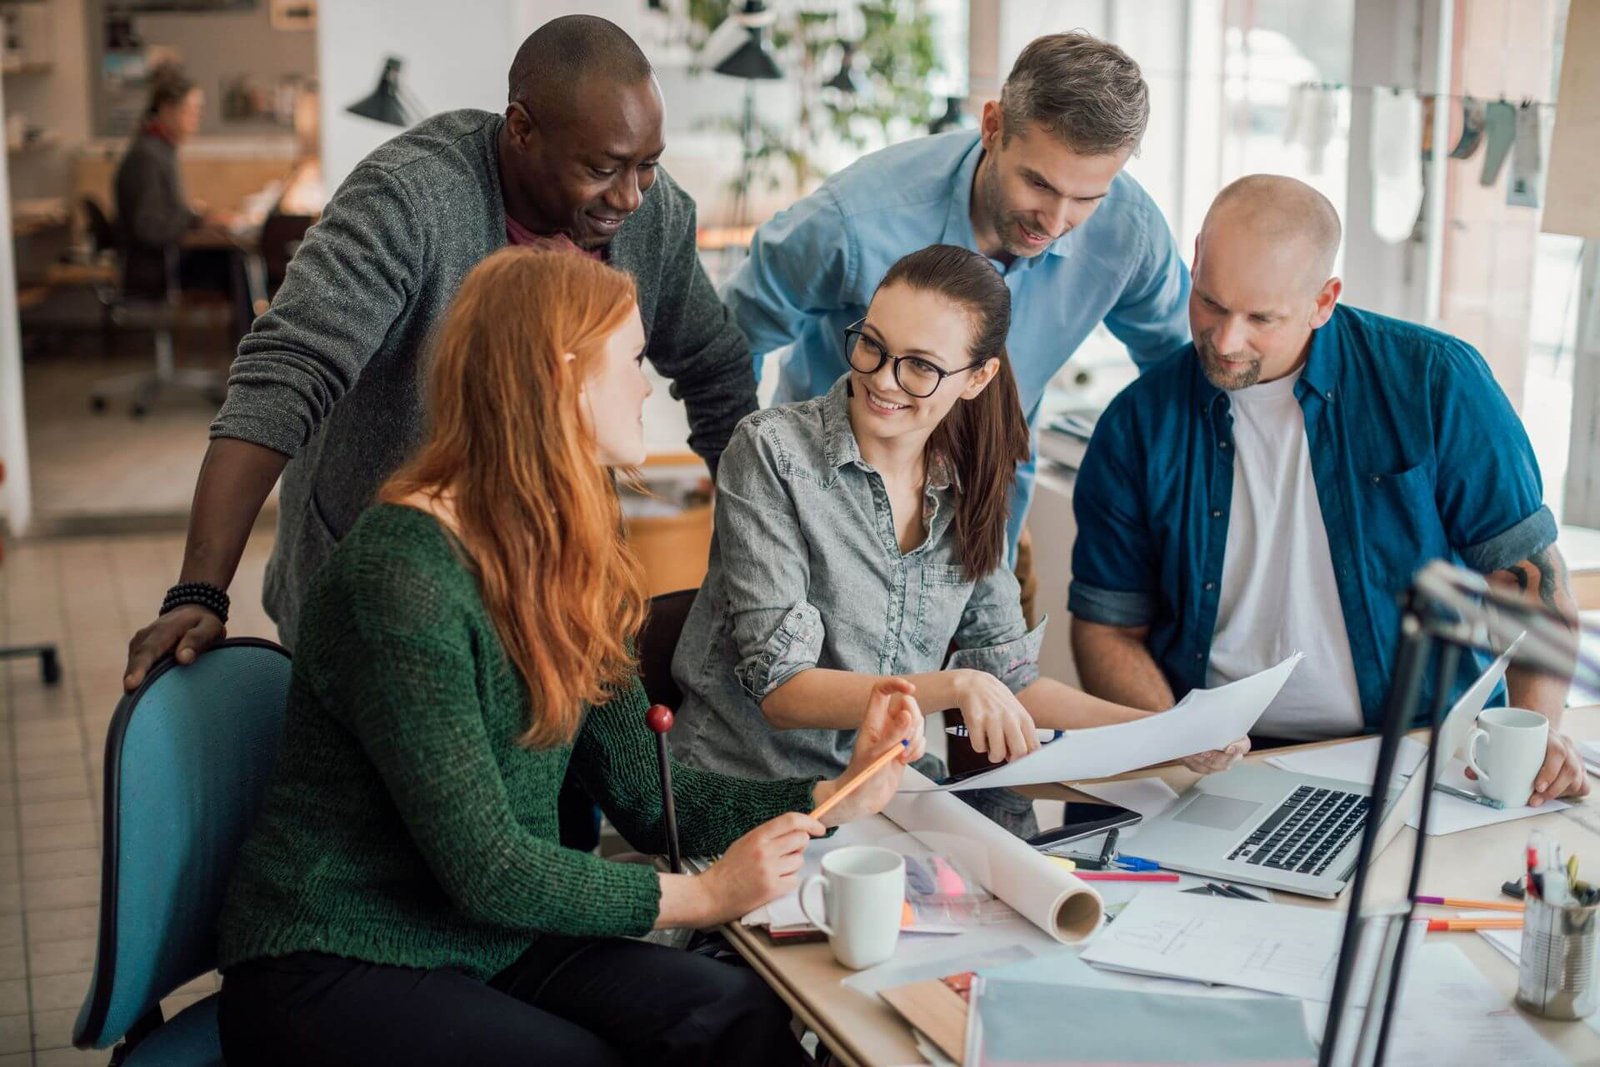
1473,863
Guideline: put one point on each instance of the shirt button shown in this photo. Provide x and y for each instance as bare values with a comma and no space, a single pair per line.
1199,655
1222,444
1216,513
1210,586
1376,478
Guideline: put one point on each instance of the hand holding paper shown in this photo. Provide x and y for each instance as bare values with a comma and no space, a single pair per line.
1205,719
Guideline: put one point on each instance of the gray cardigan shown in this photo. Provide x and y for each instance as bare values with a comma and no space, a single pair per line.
330,375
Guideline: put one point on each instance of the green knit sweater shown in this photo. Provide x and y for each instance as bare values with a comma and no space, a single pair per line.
404,824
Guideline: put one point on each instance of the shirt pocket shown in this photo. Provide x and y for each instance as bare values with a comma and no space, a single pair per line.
1399,520
942,594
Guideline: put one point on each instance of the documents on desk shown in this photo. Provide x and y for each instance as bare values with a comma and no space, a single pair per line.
1204,719
1048,896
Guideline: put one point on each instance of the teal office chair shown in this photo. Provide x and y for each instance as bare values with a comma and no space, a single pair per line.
188,758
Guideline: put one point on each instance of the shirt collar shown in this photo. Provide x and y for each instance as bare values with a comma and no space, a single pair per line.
838,439
1322,362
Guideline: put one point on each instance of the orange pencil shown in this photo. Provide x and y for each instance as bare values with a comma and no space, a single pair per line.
1473,905
1473,924
855,783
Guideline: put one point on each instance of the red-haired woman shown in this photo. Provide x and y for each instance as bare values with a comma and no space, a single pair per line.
403,897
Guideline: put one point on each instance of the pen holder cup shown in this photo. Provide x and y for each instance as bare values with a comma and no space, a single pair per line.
1556,977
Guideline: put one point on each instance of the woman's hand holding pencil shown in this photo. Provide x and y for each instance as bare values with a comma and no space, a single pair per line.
889,738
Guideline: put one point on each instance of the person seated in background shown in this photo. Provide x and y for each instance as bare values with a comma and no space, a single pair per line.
860,534
403,898
1274,486
153,211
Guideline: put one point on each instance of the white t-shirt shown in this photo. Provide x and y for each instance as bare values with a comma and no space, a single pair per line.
1278,591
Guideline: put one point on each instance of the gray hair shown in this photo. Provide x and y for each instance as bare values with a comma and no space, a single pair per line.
1086,91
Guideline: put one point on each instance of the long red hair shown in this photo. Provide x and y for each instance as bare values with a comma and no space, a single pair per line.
508,451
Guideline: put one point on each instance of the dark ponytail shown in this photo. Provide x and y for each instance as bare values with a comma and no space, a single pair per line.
985,438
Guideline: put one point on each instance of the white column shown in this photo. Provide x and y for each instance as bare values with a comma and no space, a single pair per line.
16,493
1582,505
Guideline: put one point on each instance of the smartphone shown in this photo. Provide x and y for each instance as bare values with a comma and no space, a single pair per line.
1082,819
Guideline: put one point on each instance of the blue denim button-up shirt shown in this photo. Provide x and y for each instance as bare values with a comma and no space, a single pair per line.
806,571
1416,453
813,268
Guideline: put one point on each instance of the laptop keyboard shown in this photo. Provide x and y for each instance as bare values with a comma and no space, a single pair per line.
1306,832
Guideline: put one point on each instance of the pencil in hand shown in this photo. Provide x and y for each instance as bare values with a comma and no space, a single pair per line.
855,783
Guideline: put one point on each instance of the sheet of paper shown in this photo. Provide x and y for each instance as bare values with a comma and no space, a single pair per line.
1351,761
1273,948
1203,720
1506,942
1591,756
1449,815
1021,1022
1449,1015
1147,796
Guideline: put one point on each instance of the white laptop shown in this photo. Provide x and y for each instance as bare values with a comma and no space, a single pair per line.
1266,826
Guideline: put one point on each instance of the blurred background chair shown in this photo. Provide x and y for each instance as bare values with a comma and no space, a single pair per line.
155,308
188,758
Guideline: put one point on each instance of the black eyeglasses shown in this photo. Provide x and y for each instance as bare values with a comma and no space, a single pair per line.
917,376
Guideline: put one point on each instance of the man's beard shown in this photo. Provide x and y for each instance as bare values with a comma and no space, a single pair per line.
1003,224
1222,378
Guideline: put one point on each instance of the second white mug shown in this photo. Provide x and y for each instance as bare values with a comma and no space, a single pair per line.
1506,751
863,895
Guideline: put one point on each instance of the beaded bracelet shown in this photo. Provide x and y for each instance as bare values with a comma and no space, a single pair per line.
208,596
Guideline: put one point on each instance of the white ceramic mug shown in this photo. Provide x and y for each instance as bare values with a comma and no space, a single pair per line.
1506,751
863,895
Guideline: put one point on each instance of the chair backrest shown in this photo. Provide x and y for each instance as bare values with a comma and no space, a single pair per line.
658,641
102,235
188,758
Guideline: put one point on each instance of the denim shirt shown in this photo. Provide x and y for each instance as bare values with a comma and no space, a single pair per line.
813,268
806,571
1416,453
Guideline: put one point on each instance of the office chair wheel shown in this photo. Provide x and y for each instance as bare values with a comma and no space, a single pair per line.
97,404
50,666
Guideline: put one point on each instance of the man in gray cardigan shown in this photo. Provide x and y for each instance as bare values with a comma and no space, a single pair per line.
326,388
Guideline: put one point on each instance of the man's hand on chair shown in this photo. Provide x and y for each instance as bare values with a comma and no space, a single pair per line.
186,631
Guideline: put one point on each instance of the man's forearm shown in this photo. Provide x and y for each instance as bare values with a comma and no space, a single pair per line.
1115,664
234,482
1537,691
1541,579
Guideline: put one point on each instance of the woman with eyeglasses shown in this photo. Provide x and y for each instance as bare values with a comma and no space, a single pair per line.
861,535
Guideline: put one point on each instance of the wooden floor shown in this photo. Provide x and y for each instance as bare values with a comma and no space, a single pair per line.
88,595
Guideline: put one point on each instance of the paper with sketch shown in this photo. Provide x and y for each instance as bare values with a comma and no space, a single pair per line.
1203,720
1450,1014
1273,948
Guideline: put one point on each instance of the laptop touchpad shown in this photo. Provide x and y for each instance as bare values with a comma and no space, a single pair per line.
1221,813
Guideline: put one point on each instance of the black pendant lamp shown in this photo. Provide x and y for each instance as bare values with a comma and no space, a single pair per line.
752,60
385,104
845,81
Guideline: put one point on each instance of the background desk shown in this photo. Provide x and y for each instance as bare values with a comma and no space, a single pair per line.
1470,864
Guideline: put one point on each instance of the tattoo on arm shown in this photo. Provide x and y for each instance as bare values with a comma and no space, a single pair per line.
1545,567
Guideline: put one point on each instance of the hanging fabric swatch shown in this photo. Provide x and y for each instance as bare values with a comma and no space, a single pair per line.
1499,131
1471,129
1313,119
1527,161
1396,162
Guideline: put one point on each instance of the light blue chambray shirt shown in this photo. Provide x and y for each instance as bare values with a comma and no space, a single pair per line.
813,267
806,571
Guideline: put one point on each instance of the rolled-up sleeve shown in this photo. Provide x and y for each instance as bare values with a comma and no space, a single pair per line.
1113,556
765,565
993,636
1490,499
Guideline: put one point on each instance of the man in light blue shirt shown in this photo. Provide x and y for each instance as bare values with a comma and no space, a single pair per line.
1039,190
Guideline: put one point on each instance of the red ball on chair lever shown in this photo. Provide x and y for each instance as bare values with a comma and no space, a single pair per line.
660,718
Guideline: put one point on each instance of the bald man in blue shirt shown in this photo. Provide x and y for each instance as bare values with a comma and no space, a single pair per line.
1274,486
